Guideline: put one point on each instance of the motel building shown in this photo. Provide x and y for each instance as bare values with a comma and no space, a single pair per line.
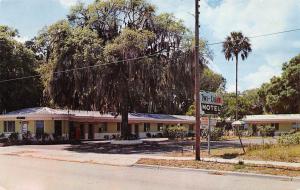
86,125
283,123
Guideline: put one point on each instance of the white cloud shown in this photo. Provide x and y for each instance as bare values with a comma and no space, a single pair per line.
256,17
22,39
251,17
296,44
68,3
214,67
230,87
262,75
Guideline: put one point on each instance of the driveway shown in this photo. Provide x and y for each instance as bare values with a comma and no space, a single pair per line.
155,147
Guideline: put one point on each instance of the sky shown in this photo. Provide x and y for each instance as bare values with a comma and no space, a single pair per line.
218,18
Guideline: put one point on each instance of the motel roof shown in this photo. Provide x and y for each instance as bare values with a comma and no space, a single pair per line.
45,113
272,118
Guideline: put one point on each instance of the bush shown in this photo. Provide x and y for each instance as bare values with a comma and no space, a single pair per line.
215,134
27,138
13,137
290,139
267,131
148,135
176,132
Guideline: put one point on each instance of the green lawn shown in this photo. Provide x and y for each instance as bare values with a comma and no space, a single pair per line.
274,152
259,152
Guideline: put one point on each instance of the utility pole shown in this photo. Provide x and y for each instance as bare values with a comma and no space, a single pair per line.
197,80
209,134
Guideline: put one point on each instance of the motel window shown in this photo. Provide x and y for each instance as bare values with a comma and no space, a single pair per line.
103,128
146,127
9,126
160,127
39,125
295,125
167,126
276,126
118,127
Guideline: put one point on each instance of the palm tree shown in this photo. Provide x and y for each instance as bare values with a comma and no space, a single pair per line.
236,44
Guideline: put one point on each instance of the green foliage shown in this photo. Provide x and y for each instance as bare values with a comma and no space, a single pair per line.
289,139
211,81
265,131
105,32
70,49
17,61
175,132
249,104
216,133
6,31
236,44
13,137
281,94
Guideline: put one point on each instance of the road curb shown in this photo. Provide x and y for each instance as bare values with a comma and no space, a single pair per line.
219,172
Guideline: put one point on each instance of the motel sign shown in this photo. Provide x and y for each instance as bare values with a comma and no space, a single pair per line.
210,103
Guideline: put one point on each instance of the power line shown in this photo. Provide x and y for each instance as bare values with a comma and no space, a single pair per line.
262,35
82,68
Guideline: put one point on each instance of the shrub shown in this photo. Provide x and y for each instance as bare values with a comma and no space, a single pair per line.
3,139
148,135
13,137
176,132
290,139
267,131
215,134
27,137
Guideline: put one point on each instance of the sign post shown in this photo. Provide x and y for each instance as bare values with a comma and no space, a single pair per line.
211,104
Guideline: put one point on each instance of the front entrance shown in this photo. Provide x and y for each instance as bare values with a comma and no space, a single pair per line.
77,133
136,129
82,132
72,131
58,128
24,127
91,132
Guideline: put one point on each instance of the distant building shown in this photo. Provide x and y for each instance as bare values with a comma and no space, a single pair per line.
71,124
281,122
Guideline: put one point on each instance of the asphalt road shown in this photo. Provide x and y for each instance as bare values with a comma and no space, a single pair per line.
20,173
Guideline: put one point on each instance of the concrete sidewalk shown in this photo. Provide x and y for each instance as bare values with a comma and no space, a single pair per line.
119,159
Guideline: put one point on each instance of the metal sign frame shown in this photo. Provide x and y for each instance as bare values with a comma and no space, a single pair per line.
213,103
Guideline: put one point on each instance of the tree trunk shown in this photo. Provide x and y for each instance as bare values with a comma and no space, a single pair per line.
236,87
236,100
125,131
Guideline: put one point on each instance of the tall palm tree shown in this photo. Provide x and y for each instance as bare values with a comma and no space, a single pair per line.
234,46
